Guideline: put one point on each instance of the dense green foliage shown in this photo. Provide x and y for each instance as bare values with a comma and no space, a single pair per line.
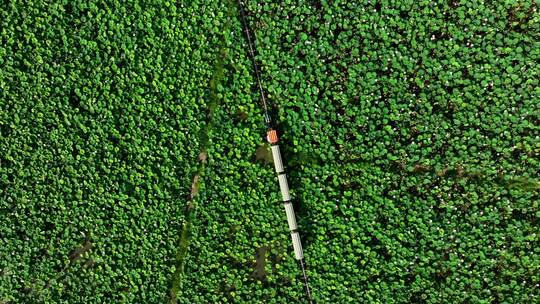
101,109
406,127
410,130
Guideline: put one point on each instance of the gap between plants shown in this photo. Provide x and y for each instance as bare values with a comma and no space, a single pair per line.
215,81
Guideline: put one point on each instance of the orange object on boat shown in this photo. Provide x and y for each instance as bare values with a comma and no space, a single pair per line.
272,136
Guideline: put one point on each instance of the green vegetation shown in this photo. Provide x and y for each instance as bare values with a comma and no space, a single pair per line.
101,108
410,130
